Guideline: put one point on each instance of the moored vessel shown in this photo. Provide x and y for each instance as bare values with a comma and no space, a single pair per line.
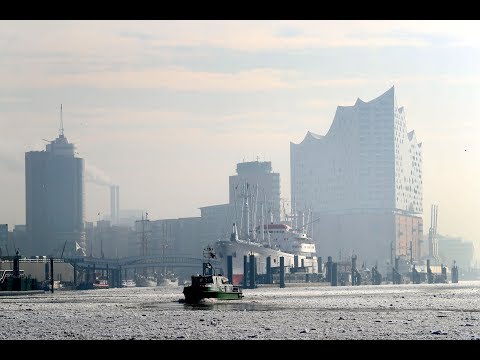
101,282
168,279
297,249
145,280
128,283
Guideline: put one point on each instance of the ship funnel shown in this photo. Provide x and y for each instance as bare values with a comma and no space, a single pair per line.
234,235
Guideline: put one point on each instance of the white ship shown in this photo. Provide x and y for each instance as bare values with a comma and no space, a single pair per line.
167,279
297,249
142,280
128,283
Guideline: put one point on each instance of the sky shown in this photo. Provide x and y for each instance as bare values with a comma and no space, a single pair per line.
165,109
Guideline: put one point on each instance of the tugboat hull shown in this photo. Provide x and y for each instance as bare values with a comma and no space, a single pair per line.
193,295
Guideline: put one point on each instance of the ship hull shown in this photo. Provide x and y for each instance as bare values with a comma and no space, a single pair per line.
128,283
142,281
167,282
239,249
193,295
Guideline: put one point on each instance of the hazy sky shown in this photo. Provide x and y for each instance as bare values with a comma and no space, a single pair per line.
166,109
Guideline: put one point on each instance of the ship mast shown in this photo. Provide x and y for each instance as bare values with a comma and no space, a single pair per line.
271,221
263,224
245,212
164,246
144,239
432,234
247,206
254,214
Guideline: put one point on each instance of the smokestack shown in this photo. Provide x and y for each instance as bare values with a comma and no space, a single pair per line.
117,205
113,204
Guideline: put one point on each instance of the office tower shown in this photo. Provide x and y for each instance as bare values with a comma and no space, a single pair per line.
363,183
54,182
257,183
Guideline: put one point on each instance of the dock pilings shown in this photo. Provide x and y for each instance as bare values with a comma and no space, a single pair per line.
51,275
245,270
252,271
230,268
282,272
269,270
454,273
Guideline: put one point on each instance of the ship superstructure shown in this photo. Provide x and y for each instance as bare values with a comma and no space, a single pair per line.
296,248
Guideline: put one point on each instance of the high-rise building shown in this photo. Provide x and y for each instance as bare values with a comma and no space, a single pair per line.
54,182
363,183
256,180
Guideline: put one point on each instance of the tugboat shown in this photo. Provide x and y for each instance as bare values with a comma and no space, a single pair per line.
210,285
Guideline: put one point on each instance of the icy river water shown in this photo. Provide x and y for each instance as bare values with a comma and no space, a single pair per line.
306,312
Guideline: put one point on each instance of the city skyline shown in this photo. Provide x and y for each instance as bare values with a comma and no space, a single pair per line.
166,109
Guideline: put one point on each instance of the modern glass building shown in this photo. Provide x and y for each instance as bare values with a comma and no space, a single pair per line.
363,183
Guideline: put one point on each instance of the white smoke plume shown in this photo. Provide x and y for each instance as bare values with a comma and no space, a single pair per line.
96,176
11,160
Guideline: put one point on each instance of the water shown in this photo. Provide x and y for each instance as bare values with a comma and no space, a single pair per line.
407,311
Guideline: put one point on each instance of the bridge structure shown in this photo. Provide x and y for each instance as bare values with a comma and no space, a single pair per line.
132,262
85,267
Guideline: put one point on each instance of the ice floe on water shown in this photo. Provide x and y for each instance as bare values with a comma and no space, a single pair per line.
407,311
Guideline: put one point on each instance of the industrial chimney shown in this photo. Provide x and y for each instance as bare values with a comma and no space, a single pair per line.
114,204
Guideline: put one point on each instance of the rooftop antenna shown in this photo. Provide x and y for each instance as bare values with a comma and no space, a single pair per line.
61,120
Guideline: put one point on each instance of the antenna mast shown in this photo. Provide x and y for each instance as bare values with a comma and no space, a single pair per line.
61,120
